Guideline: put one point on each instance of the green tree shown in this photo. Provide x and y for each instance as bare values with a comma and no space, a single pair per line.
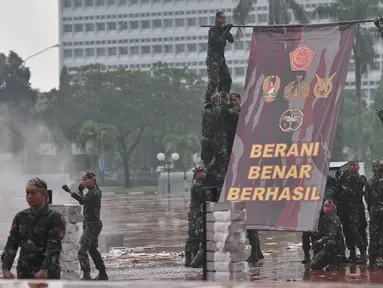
377,131
99,138
185,145
134,103
17,96
363,49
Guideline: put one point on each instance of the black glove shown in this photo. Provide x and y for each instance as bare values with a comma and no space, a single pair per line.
81,187
66,188
228,27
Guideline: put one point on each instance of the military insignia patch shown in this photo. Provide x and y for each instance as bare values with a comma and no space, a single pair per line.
271,86
298,89
291,120
301,58
323,87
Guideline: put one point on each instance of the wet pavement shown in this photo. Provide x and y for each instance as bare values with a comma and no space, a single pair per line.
154,234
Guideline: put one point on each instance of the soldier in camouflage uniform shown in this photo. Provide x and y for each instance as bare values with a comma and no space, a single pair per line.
38,232
309,238
195,217
217,70
374,199
329,233
350,190
256,252
92,226
232,115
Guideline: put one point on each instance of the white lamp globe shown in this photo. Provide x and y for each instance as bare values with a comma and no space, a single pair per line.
161,157
175,157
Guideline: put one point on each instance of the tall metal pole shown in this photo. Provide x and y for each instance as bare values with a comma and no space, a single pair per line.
168,168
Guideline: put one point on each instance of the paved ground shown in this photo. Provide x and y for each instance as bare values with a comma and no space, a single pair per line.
154,235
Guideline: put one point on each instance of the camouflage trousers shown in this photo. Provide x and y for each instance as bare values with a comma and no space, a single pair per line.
26,271
256,252
363,227
350,219
194,229
326,256
89,244
207,152
218,77
376,231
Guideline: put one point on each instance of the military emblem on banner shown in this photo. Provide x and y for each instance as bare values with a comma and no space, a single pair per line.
323,87
301,58
291,120
300,61
271,86
298,89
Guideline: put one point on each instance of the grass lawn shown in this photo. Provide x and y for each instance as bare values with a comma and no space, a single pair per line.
122,190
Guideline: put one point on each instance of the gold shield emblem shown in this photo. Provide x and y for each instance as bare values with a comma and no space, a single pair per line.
301,58
271,86
291,120
298,89
323,87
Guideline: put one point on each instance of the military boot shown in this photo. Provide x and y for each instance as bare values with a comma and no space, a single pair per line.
363,256
86,276
372,262
102,276
307,259
353,257
197,261
188,259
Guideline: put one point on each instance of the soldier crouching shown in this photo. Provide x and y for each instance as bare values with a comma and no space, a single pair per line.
38,232
329,232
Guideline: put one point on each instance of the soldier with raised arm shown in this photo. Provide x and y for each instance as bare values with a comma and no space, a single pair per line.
217,70
92,226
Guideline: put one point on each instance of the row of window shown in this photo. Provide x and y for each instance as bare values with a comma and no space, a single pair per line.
76,4
137,50
147,15
234,71
150,24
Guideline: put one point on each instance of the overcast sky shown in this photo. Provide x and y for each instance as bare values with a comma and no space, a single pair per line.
28,26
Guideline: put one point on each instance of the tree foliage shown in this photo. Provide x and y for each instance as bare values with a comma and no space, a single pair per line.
129,105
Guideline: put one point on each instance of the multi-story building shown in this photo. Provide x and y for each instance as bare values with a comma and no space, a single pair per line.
137,33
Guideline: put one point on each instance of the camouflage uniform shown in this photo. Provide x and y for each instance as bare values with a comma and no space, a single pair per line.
232,116
195,221
39,236
374,199
217,70
350,199
256,252
309,238
207,152
330,231
92,227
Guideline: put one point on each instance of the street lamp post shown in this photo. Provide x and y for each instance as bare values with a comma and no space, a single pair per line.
169,165
42,51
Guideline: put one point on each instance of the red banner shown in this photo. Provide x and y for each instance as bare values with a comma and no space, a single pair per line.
293,93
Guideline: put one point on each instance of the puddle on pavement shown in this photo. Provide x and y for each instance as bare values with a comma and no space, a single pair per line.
149,227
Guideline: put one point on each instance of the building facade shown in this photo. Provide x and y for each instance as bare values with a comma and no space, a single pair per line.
133,34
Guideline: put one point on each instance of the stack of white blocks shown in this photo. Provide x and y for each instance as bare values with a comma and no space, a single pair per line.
226,236
69,260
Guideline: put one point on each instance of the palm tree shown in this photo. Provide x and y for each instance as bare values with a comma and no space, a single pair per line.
278,11
363,49
101,139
